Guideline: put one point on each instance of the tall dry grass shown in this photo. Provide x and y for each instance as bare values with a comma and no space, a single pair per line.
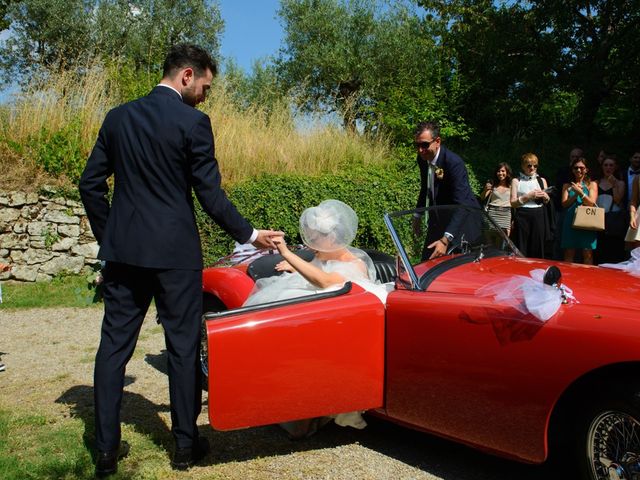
261,140
248,142
65,103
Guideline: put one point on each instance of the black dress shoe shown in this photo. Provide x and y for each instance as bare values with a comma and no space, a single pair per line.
185,458
107,462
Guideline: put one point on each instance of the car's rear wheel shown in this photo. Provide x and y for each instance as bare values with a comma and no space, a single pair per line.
210,304
609,438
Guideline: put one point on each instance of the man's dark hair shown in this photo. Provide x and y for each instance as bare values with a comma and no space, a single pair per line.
188,55
433,127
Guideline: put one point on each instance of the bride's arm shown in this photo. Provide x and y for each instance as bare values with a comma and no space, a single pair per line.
310,272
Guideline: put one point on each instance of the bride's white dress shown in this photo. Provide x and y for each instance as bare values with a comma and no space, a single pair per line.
360,270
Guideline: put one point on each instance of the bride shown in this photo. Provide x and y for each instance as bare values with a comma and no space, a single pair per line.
327,230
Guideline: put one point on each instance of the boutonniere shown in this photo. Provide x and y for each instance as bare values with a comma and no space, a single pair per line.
439,173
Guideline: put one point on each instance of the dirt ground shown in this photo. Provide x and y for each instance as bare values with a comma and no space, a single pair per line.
49,357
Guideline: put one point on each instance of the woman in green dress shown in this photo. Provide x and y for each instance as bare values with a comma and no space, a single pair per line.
580,191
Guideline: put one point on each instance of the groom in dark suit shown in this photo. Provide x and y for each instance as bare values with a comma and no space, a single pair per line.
443,181
159,149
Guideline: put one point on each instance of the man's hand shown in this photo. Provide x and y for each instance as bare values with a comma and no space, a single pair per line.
439,248
266,238
417,226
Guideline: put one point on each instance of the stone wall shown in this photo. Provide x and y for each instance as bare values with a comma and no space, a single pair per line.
41,237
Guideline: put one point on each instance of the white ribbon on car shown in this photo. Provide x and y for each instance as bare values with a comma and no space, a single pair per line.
632,265
529,294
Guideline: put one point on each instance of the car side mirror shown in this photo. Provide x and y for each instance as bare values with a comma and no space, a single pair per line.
552,275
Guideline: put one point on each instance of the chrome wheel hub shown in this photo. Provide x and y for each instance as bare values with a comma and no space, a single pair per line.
613,447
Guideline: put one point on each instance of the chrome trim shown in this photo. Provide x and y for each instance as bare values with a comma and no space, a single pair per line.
403,255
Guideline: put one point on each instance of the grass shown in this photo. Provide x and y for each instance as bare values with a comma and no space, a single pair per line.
33,447
61,291
38,447
46,134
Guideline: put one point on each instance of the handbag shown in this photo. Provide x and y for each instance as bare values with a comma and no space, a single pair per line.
633,234
589,218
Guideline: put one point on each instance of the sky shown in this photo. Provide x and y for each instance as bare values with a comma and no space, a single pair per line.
252,30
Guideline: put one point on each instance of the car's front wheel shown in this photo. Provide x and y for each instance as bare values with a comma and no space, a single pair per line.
209,304
609,440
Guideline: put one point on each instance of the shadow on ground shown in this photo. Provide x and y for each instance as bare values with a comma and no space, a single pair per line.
441,458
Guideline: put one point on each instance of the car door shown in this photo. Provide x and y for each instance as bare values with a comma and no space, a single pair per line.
458,366
311,358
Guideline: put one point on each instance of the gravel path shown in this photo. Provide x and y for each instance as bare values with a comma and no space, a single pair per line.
49,356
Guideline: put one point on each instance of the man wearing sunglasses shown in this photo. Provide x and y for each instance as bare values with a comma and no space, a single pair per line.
443,181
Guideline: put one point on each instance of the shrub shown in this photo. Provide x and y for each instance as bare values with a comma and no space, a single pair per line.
276,201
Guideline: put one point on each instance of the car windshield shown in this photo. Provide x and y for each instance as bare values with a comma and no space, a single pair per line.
474,236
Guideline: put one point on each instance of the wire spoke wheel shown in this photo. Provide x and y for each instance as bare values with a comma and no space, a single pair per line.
613,446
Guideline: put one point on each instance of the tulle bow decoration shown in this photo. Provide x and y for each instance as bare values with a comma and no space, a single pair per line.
529,294
632,265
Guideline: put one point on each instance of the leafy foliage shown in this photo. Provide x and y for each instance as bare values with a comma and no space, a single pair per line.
61,152
276,201
50,35
573,58
369,62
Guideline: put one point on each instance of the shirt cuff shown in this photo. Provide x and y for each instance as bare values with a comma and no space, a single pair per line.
253,236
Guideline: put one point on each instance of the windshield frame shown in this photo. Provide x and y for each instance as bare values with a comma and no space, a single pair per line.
414,280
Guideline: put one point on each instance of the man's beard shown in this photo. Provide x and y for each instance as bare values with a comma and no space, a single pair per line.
189,96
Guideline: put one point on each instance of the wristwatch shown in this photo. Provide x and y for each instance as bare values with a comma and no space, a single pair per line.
448,236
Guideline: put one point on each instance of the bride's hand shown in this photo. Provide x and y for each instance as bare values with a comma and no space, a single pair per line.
284,266
280,244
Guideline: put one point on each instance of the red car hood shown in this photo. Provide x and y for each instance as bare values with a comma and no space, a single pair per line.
596,286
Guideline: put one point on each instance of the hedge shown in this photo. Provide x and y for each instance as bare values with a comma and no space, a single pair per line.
276,201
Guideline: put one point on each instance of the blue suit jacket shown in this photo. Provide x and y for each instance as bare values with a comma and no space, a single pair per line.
453,189
158,149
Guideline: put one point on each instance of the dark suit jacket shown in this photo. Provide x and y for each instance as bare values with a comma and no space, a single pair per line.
453,189
158,149
627,191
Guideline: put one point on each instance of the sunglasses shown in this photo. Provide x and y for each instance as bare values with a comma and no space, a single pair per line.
532,165
423,145
579,169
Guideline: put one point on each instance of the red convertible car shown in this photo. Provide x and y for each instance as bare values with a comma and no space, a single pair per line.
440,354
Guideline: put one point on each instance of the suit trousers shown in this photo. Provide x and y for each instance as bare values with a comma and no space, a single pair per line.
128,291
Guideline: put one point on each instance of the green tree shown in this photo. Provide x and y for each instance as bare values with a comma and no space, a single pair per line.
142,31
326,53
522,61
4,5
373,62
45,33
599,51
136,34
260,89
